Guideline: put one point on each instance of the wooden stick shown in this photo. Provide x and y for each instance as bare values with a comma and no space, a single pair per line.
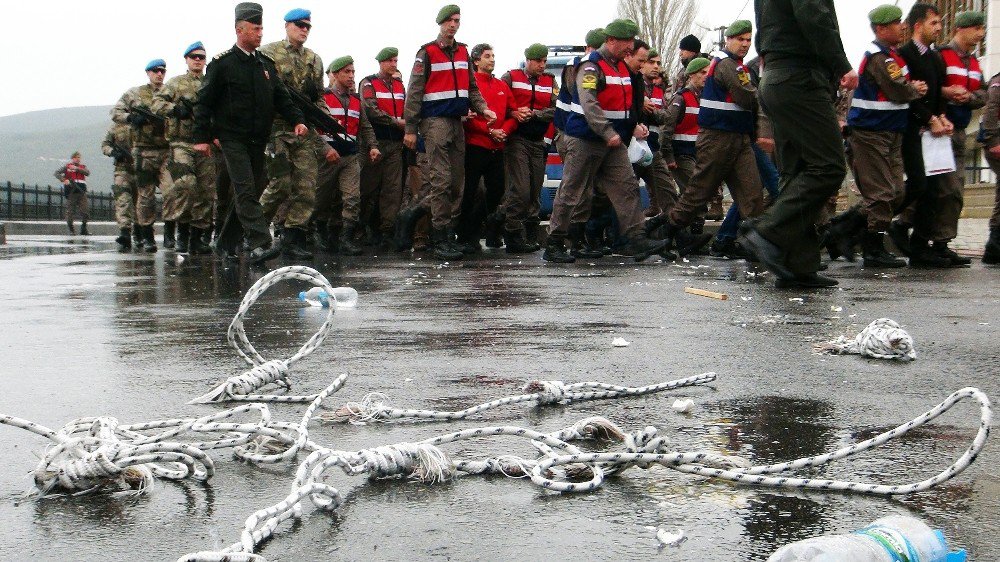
704,293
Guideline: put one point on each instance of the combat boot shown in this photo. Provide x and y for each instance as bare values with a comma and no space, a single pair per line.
842,236
137,235
347,245
516,243
581,249
594,239
183,236
642,247
723,248
148,239
921,255
941,248
697,230
321,236
875,255
406,223
683,241
196,242
124,240
494,226
555,250
531,232
69,225
899,233
991,254
441,246
169,240
83,228
293,244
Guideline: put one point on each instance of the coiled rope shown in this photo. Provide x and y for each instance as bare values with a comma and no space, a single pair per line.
375,407
882,339
243,387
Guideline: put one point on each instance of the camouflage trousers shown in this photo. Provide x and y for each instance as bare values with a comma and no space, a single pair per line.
150,172
292,171
193,177
124,194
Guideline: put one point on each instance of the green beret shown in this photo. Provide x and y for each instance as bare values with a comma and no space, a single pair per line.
340,63
970,19
697,64
536,51
885,14
386,54
739,27
596,37
622,29
447,12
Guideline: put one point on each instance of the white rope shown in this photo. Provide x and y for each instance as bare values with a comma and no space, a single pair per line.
242,387
882,339
376,407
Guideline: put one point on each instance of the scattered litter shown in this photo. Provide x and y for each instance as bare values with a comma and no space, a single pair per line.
704,293
667,538
746,298
799,300
620,342
882,339
836,308
683,405
407,380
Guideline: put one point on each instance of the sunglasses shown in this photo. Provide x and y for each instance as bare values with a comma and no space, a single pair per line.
302,24
196,57
160,70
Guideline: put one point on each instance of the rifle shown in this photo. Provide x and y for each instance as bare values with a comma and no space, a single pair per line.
313,114
149,115
120,155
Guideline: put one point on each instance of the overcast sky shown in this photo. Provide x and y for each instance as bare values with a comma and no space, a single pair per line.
64,54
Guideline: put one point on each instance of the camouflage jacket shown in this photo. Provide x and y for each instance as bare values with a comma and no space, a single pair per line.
179,89
150,135
301,70
121,137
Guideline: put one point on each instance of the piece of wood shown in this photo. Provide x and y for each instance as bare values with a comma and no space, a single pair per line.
704,293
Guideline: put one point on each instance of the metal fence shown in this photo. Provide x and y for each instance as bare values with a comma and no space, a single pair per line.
34,202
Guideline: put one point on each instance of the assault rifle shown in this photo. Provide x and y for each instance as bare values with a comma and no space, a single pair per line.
147,114
315,116
120,155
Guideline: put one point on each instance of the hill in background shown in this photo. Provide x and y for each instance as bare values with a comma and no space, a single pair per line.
36,143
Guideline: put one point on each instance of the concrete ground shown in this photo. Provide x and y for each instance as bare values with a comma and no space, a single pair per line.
92,332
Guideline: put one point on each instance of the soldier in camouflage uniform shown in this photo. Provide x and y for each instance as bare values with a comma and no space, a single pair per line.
150,150
293,167
118,145
193,173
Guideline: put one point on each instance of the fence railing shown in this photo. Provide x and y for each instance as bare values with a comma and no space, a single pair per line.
35,202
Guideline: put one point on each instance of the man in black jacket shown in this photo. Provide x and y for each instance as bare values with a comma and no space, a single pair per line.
804,60
236,105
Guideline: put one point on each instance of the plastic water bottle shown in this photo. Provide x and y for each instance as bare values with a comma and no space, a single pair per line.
315,297
346,297
889,539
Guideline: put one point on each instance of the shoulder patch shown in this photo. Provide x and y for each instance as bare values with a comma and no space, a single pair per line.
222,54
589,81
893,68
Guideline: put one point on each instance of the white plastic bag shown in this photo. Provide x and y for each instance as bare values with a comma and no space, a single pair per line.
639,152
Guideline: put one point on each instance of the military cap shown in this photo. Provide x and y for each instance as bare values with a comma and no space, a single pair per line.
298,14
885,14
156,63
697,64
250,12
447,12
653,53
386,54
196,46
739,27
622,29
970,19
690,43
596,37
536,51
340,63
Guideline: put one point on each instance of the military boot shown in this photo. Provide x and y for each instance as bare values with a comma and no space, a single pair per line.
899,233
183,237
442,247
531,232
83,228
321,236
148,239
293,244
406,223
124,240
941,249
348,247
69,225
594,238
642,247
697,231
578,238
921,255
516,244
555,250
196,242
874,252
991,254
494,226
137,235
843,234
169,240
682,240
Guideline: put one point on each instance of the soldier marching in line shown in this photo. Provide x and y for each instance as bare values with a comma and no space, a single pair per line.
118,146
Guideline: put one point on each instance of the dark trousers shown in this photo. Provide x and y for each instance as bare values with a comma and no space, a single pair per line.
245,216
810,152
486,165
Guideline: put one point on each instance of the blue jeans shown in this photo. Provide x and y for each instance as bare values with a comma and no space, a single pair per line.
768,176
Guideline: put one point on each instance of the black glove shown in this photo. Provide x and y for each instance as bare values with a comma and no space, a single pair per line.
182,111
136,119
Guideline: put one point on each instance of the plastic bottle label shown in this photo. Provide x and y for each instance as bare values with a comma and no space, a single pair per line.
893,542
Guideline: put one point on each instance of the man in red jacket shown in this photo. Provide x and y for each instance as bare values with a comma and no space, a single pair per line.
484,144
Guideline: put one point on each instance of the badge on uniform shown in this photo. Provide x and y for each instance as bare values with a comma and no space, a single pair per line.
893,69
744,78
589,81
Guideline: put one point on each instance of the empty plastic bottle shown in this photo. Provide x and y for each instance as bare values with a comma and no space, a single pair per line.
346,297
315,297
889,539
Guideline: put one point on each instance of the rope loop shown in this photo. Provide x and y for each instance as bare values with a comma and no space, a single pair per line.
547,392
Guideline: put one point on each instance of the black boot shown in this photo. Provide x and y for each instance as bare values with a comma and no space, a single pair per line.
991,254
183,237
494,226
83,228
347,245
531,232
642,247
697,231
875,254
293,244
406,223
941,248
724,248
921,255
196,242
899,233
137,235
321,236
124,240
682,240
148,239
595,241
69,225
581,249
442,247
555,250
843,233
516,243
169,240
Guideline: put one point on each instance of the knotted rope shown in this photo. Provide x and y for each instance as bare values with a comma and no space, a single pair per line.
882,339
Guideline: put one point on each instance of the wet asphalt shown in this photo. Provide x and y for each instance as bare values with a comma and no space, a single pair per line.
87,331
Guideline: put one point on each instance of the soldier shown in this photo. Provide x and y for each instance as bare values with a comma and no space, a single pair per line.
236,105
193,173
150,152
659,184
688,50
597,128
117,145
800,41
680,130
382,180
340,181
727,116
990,137
292,167
594,39
526,151
442,90
73,176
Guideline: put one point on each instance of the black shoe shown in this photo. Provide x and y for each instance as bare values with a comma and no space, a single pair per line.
470,247
183,236
83,229
942,249
441,246
991,253
899,233
196,242
555,250
581,249
686,243
321,236
293,242
515,243
806,280
169,240
494,226
642,247
875,254
137,235
148,239
406,223
261,254
224,253
347,245
124,240
843,235
725,248
770,255
921,255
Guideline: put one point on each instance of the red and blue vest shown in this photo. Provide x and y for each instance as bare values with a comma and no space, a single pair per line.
350,117
390,101
686,130
614,96
537,95
717,110
446,93
564,101
971,77
870,108
655,95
